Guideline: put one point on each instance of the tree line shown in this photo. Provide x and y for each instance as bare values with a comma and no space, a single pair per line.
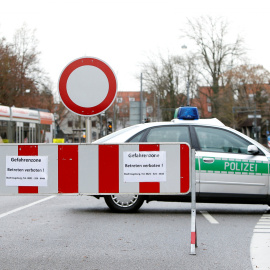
216,61
23,83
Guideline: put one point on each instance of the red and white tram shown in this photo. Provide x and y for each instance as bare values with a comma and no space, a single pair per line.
18,125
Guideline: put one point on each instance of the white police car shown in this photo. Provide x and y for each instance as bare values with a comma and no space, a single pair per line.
230,166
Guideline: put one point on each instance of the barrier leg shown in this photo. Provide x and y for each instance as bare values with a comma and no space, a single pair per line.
193,206
193,233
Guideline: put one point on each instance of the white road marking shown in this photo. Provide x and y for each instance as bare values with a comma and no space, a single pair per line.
26,206
262,230
262,226
209,217
260,244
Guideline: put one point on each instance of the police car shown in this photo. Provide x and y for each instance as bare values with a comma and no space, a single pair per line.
230,166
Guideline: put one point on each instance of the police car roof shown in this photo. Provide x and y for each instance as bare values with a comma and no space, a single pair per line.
203,122
122,135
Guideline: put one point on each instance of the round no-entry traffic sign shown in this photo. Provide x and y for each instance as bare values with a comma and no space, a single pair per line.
87,86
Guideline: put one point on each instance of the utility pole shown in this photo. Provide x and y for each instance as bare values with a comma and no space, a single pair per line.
188,103
255,123
141,101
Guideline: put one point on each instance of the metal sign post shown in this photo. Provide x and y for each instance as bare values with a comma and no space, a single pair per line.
88,130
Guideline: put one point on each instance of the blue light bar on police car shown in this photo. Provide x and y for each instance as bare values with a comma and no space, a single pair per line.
188,113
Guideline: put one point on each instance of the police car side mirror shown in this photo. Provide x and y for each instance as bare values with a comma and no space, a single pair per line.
253,149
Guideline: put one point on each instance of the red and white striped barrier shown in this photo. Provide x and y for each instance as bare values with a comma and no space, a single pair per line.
97,169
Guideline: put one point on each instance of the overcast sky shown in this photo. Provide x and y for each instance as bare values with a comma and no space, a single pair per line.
125,33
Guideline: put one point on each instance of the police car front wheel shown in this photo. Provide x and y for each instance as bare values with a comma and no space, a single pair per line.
124,203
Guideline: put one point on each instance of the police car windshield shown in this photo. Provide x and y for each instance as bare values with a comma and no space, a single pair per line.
114,134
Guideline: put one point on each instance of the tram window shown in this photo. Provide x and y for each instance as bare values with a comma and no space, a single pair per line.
13,131
4,131
29,132
26,133
45,133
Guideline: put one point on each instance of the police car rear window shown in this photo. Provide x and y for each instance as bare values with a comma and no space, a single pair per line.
169,134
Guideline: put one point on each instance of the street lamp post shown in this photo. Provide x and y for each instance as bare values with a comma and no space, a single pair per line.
141,99
188,102
184,47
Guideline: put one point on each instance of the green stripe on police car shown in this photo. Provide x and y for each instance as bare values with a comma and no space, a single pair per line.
233,166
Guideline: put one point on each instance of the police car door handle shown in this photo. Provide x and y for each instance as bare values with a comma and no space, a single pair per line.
208,160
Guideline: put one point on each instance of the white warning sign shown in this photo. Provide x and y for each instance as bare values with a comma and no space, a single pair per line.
146,166
26,170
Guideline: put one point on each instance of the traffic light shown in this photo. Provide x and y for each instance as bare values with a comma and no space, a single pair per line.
109,126
147,120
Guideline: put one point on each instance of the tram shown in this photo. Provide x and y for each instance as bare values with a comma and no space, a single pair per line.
19,125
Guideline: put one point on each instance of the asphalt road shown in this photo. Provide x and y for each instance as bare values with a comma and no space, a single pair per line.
69,232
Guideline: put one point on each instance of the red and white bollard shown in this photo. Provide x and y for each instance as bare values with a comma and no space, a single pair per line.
193,205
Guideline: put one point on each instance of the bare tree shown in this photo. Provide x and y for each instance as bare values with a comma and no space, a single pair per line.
216,53
188,75
20,71
8,64
249,86
248,81
163,78
25,48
